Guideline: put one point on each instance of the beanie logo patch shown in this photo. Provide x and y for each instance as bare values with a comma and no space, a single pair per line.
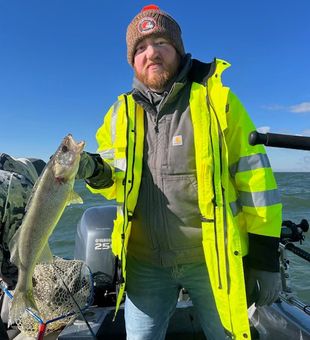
146,25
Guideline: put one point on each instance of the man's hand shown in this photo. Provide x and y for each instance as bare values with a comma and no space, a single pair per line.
269,286
87,166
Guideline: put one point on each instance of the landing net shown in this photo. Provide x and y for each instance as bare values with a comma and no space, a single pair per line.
56,286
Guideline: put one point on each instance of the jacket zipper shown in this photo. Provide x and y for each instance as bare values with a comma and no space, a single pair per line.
224,218
224,205
127,214
215,210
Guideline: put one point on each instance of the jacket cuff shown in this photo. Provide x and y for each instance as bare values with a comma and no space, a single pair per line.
263,253
102,175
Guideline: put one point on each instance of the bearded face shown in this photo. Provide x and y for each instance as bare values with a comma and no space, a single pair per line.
156,62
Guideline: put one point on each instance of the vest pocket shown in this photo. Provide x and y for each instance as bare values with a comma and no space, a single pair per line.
181,215
180,199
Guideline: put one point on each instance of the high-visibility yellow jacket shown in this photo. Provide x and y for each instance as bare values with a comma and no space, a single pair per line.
237,191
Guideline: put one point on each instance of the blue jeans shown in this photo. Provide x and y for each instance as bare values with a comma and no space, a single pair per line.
152,295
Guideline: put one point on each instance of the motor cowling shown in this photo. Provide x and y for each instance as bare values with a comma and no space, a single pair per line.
93,245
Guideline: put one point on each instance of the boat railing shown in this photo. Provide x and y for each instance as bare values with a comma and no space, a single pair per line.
280,140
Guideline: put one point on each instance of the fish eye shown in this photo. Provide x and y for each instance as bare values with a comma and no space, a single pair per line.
64,148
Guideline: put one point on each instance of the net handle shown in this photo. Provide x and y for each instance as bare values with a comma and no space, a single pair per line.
41,332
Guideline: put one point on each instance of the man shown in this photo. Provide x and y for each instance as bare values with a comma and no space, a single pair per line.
197,205
17,177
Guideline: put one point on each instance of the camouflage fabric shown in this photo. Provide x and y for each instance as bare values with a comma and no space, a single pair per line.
17,177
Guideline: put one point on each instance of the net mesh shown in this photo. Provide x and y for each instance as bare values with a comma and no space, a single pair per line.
56,286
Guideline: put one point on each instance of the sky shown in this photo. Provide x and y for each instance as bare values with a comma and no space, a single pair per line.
63,63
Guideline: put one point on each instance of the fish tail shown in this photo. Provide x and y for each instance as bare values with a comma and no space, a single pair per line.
21,301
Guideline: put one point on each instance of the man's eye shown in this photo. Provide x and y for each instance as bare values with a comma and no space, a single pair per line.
140,49
161,42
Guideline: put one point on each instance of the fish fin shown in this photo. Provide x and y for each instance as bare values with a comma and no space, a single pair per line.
13,246
46,255
21,301
74,198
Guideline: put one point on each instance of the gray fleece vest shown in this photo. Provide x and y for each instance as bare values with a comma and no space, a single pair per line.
166,225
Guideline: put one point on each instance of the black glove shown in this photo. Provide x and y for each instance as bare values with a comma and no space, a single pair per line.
87,166
94,171
269,286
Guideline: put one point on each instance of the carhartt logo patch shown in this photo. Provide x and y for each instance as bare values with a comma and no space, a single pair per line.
146,25
177,140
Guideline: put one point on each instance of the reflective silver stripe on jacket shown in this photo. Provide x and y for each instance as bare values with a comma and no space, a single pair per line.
260,198
107,154
116,107
250,163
255,199
119,164
235,207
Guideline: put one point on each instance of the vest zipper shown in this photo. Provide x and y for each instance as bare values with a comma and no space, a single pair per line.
156,124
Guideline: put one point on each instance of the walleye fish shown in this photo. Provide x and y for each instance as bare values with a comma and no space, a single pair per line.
52,192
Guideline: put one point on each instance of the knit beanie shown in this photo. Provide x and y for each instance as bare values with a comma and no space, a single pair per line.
152,21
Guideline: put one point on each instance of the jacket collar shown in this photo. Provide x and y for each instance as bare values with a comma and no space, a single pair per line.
192,70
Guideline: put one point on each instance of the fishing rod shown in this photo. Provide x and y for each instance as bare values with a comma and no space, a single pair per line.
280,140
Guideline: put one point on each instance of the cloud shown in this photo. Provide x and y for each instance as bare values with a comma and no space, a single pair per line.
300,108
306,132
303,107
274,107
263,129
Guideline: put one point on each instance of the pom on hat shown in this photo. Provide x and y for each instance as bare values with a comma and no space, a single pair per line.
151,20
148,7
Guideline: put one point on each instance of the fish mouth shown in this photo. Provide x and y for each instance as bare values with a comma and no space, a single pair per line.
81,145
66,159
70,143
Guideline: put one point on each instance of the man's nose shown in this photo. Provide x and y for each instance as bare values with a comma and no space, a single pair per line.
151,51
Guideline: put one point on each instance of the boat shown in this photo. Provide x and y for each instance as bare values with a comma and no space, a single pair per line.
286,319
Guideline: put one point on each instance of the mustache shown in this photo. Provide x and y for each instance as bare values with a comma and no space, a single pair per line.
152,61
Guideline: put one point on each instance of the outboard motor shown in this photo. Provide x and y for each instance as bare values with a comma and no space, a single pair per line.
93,246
